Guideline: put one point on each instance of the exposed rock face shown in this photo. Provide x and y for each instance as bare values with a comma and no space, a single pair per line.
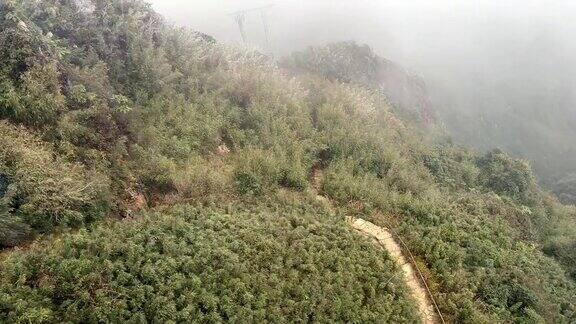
350,63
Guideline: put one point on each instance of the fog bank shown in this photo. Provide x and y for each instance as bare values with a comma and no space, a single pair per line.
501,73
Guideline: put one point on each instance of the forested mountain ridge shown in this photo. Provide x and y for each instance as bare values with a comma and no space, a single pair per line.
148,173
349,63
543,132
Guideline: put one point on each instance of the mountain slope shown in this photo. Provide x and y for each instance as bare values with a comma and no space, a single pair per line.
204,153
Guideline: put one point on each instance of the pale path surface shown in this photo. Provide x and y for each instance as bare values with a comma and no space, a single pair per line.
386,240
417,291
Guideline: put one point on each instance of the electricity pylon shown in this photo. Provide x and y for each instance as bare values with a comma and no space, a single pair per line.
240,17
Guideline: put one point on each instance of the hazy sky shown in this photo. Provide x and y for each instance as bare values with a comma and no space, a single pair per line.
467,48
406,30
511,64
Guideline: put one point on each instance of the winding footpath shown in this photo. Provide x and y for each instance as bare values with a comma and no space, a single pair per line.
384,237
386,240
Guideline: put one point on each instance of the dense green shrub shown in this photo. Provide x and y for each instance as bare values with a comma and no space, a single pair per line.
453,167
29,78
45,191
114,93
482,268
204,180
201,265
248,183
259,171
504,175
565,188
38,100
563,249
294,177
13,230
345,62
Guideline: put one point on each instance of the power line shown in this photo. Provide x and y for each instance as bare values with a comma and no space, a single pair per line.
252,9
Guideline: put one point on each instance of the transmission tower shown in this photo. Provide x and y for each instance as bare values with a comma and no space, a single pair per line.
240,17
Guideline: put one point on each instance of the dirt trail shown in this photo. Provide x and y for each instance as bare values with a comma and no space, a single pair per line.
385,238
417,290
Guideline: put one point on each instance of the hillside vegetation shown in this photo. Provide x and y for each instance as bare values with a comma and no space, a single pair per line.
148,173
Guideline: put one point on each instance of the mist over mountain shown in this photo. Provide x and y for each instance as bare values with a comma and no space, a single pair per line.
155,173
499,73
